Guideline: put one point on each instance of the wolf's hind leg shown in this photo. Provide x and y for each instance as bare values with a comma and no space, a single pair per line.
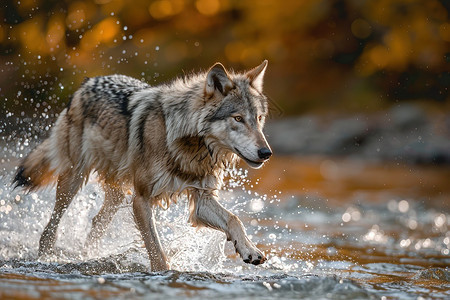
205,210
145,220
113,198
68,185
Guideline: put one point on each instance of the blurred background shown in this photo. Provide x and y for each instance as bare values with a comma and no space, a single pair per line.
344,55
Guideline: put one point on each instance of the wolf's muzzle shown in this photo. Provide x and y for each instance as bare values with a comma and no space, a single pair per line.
264,153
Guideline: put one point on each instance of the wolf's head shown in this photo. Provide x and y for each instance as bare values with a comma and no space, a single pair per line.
238,109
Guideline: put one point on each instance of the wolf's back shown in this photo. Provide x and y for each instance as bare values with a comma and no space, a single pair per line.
90,133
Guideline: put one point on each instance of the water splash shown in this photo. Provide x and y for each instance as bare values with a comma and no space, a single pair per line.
313,248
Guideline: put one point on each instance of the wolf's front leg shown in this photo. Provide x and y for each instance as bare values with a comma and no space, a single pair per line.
145,219
205,210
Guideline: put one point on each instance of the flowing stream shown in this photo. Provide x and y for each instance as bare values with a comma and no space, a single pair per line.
331,228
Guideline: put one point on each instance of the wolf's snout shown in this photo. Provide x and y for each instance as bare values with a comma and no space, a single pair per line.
264,153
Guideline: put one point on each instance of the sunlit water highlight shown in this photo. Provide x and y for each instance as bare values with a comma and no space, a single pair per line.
319,245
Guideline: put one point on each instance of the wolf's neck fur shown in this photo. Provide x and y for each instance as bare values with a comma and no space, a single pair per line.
181,109
193,150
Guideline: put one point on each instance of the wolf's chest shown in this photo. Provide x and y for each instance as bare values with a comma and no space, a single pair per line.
168,187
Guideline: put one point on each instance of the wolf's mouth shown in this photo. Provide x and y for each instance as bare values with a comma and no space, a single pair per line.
251,163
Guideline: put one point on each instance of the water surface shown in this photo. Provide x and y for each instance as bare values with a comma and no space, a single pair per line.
331,228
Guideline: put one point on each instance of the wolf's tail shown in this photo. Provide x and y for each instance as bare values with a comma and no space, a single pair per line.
35,169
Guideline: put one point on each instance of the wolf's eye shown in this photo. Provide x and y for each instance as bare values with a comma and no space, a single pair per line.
238,119
260,118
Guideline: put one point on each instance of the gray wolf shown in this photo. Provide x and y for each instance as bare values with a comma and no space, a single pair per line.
162,141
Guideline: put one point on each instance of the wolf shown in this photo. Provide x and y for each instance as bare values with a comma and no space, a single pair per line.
162,141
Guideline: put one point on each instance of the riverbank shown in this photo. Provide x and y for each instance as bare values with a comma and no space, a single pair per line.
404,134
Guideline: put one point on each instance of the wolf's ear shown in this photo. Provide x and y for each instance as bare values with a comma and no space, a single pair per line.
218,79
256,75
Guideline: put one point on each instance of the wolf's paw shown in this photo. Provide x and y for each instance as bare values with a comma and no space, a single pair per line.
249,253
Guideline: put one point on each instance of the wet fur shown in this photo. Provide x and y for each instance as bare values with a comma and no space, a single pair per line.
162,141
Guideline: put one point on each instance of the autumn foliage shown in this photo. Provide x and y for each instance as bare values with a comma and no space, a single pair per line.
342,54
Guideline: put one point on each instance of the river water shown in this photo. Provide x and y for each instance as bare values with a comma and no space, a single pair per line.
337,228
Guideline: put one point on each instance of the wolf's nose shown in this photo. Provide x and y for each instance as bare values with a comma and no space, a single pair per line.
264,153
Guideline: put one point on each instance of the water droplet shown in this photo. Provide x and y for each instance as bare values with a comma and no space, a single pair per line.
101,280
346,217
405,243
392,205
267,285
412,224
403,206
440,220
